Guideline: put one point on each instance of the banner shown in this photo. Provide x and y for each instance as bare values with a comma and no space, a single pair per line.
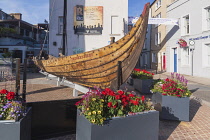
88,19
165,21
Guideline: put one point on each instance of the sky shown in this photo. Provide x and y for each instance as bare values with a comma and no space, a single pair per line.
36,11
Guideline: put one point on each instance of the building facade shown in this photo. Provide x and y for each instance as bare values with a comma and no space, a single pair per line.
17,36
89,24
158,35
194,30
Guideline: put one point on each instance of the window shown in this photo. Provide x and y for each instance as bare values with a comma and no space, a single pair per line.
208,54
157,38
158,4
60,25
208,17
78,50
145,59
115,25
186,25
185,56
154,57
144,47
157,16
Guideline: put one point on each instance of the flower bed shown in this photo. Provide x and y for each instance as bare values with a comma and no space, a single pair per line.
120,114
142,80
14,118
171,98
141,74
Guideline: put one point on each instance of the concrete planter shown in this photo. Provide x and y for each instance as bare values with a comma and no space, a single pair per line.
20,130
143,126
171,108
143,86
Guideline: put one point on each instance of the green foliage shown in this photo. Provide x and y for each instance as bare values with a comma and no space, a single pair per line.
4,30
7,55
98,106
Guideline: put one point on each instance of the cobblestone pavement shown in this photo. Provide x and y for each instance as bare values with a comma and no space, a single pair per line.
41,89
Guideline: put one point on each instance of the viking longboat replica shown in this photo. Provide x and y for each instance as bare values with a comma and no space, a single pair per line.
99,68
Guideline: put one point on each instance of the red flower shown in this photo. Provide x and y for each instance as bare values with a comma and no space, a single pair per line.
117,97
114,106
134,102
10,95
104,92
131,95
178,95
120,92
109,104
143,98
3,91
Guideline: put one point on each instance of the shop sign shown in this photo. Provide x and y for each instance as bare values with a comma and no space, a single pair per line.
182,43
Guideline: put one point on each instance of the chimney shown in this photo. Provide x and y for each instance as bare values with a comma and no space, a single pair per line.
16,15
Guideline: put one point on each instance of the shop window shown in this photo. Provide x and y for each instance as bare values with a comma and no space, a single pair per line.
208,54
185,56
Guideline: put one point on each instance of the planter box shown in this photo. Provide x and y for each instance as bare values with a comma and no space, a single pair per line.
143,126
20,130
143,86
170,107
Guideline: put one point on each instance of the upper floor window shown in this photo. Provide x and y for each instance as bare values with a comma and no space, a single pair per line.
208,17
158,4
157,16
157,38
186,24
60,25
115,29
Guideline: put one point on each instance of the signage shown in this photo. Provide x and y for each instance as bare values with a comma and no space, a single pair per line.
182,43
166,21
200,37
88,19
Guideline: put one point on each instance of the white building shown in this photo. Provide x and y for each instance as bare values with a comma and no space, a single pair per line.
194,28
90,24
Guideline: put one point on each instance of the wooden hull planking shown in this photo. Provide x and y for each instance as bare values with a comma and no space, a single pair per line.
100,67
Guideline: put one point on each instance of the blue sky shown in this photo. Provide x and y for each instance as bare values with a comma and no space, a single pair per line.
36,11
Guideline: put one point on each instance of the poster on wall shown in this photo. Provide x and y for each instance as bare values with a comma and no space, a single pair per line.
88,19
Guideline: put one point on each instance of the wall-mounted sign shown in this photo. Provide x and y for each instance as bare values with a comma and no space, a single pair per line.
165,21
88,19
200,37
182,43
191,42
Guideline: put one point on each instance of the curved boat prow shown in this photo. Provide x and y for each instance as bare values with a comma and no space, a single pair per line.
100,67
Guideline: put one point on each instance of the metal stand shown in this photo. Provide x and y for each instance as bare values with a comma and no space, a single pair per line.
24,79
119,75
17,77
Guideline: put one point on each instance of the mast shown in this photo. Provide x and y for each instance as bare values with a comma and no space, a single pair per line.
64,26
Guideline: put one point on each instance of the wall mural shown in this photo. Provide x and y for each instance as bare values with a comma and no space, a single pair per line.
88,19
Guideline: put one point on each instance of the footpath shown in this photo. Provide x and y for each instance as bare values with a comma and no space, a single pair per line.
198,128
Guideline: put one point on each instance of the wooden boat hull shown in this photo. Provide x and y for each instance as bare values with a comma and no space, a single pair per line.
100,67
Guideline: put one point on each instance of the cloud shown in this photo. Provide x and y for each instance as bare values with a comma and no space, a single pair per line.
32,11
